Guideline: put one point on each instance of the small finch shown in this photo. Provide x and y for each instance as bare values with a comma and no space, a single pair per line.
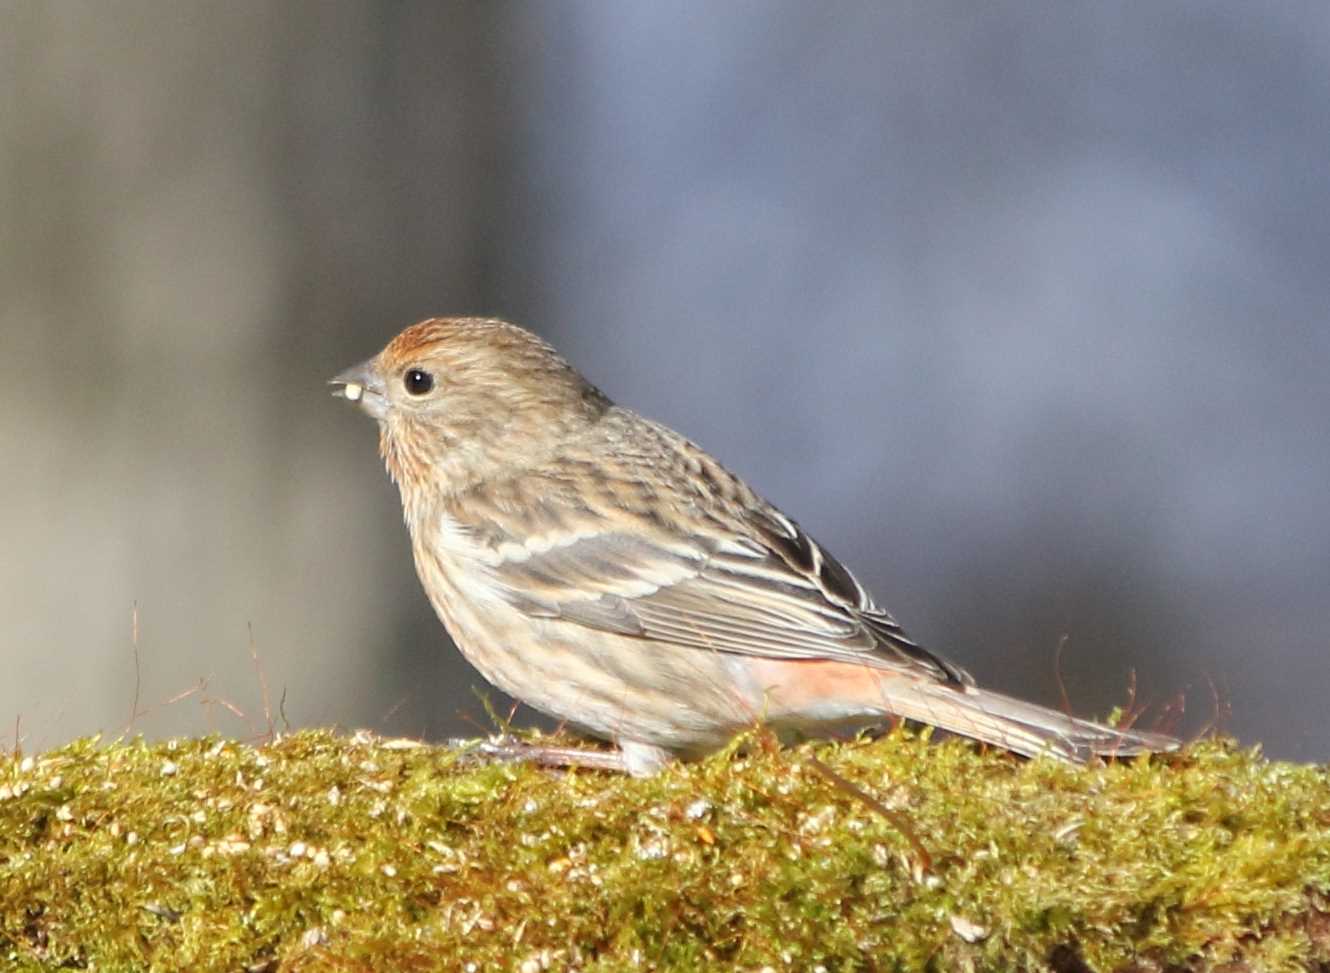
608,572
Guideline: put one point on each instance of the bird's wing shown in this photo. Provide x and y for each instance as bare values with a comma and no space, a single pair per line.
755,584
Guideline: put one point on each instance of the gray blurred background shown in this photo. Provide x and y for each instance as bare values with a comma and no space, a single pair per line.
1020,308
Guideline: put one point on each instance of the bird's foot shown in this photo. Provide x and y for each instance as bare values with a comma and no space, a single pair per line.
633,758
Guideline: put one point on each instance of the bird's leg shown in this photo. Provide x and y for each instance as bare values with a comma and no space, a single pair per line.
643,759
636,759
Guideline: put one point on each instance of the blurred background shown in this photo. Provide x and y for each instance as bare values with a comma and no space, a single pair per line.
1021,309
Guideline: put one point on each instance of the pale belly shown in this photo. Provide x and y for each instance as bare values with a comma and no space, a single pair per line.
609,685
619,688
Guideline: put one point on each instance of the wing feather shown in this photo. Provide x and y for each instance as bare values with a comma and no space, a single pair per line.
769,590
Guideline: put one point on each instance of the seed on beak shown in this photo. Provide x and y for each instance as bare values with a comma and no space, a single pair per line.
352,391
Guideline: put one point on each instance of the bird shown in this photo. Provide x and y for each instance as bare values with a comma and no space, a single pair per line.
608,572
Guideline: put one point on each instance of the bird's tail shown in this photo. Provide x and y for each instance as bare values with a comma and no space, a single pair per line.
1004,721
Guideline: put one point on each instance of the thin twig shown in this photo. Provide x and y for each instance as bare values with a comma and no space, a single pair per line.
138,677
392,710
185,694
263,680
1130,714
1219,709
897,820
1057,671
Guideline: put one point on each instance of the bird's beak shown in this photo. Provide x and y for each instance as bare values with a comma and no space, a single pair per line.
362,384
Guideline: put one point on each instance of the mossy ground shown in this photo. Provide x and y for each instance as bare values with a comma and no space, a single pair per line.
317,851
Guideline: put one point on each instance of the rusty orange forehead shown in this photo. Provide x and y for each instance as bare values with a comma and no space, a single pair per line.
463,338
420,337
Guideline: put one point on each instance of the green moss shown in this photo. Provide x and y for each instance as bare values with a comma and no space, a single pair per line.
317,851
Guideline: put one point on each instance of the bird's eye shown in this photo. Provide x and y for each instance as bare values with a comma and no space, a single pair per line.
418,382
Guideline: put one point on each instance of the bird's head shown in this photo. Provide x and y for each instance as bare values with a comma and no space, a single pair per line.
461,400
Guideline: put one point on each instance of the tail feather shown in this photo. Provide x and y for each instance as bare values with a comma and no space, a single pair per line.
1025,728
